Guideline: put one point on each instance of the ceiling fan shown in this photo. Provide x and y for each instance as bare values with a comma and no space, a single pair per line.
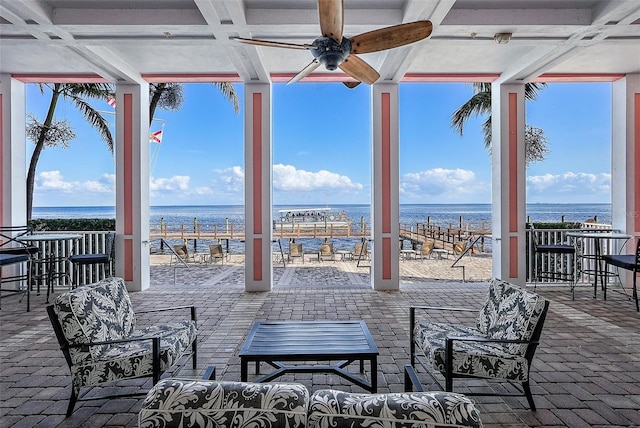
335,51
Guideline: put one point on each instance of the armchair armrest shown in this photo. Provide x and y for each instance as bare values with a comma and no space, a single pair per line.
111,342
192,308
487,340
442,308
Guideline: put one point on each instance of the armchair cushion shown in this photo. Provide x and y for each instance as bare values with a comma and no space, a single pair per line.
177,403
479,359
330,408
509,313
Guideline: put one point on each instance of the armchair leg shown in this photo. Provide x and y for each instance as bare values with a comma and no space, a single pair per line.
194,353
72,401
635,291
448,373
527,393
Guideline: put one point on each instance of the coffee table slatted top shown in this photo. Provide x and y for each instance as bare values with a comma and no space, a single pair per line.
309,338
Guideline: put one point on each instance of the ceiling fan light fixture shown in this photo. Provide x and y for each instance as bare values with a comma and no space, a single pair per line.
502,38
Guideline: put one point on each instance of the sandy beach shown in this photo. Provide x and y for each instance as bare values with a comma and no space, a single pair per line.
476,267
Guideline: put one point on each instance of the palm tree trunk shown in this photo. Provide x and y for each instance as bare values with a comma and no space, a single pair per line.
39,147
155,98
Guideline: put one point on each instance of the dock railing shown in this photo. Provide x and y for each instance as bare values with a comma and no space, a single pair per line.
445,237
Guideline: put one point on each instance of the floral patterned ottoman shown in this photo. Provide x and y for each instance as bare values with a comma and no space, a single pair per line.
184,403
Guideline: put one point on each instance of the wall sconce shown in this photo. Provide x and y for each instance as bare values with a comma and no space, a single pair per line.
502,38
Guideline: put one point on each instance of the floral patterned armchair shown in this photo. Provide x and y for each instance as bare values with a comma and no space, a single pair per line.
210,404
500,346
96,327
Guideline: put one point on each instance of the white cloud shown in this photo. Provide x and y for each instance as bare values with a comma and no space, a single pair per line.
229,179
288,178
440,185
569,187
175,183
53,181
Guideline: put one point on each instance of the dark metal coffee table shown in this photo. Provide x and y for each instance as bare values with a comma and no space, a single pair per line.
310,342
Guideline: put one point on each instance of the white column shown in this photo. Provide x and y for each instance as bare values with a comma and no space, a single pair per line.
132,185
625,155
625,162
385,200
258,194
508,182
13,192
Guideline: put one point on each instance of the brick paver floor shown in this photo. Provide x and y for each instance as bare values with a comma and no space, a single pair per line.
586,371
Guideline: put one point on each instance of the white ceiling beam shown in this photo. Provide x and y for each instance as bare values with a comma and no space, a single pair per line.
399,60
615,12
247,59
109,65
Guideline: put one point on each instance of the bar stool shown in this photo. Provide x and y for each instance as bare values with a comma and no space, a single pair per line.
549,269
100,259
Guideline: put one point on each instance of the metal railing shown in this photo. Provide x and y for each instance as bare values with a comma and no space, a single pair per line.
585,252
92,242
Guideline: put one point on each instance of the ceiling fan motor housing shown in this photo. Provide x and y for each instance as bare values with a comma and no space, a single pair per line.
331,53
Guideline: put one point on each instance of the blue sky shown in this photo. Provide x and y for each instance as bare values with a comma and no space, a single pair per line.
321,148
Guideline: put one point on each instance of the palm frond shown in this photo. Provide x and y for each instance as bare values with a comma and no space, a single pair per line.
532,89
229,92
486,131
95,119
88,90
479,103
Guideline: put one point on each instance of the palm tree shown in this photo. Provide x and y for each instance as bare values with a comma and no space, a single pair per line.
480,103
52,133
57,133
169,96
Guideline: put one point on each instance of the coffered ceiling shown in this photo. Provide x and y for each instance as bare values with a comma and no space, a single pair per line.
133,40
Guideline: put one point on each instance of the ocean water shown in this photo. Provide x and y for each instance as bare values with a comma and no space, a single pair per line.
441,214
473,215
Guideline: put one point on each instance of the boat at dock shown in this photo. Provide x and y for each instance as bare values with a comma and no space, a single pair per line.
310,218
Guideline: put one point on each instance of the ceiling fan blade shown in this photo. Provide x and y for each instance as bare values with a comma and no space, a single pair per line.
359,70
351,85
390,37
331,13
305,71
273,44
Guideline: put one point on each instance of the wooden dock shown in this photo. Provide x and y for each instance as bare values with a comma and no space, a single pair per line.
444,236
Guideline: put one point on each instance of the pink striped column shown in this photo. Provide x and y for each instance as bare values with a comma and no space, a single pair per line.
132,185
13,200
385,270
258,166
508,182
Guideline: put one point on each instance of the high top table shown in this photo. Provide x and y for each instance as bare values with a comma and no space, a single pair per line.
597,238
311,341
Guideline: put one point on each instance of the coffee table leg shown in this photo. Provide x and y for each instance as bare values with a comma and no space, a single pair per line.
374,374
244,369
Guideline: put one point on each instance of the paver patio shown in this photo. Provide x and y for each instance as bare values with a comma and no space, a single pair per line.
586,371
